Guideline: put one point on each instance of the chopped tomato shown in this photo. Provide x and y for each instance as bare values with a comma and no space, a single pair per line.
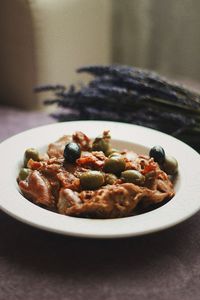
90,162
152,166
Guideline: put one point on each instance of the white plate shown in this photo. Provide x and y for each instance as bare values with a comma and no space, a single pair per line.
185,203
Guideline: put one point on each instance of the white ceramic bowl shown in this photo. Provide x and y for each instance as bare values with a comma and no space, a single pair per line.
184,204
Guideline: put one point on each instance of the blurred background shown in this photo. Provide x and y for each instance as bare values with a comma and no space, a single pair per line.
45,41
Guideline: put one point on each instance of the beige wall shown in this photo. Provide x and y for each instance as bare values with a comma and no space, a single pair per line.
17,60
45,41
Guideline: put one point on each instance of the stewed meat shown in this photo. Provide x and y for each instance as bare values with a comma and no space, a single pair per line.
101,183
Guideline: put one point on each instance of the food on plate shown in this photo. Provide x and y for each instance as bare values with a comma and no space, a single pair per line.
84,177
158,153
170,165
30,153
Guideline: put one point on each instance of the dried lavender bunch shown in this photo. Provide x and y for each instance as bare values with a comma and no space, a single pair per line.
133,95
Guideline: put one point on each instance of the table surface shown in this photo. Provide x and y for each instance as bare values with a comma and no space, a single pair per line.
35,264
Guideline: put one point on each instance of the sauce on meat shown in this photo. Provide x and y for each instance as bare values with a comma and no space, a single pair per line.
54,183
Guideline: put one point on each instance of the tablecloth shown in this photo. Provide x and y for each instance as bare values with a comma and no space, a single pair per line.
36,264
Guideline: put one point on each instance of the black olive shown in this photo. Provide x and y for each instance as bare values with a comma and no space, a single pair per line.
158,153
72,152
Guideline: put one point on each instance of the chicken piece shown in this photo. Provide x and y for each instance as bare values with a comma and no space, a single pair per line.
52,165
112,201
67,198
161,189
56,149
37,188
109,202
68,180
82,140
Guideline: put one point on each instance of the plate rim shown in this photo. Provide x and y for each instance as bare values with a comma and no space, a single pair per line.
45,213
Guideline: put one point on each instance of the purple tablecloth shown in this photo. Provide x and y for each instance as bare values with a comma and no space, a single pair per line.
38,265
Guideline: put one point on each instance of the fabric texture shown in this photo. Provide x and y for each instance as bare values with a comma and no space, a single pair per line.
35,264
159,35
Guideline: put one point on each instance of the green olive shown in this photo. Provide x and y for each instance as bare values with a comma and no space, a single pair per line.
30,153
100,144
115,165
133,176
110,178
170,165
114,154
111,151
23,174
91,180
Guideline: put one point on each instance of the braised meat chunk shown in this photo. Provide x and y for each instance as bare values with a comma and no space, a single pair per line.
109,202
37,188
